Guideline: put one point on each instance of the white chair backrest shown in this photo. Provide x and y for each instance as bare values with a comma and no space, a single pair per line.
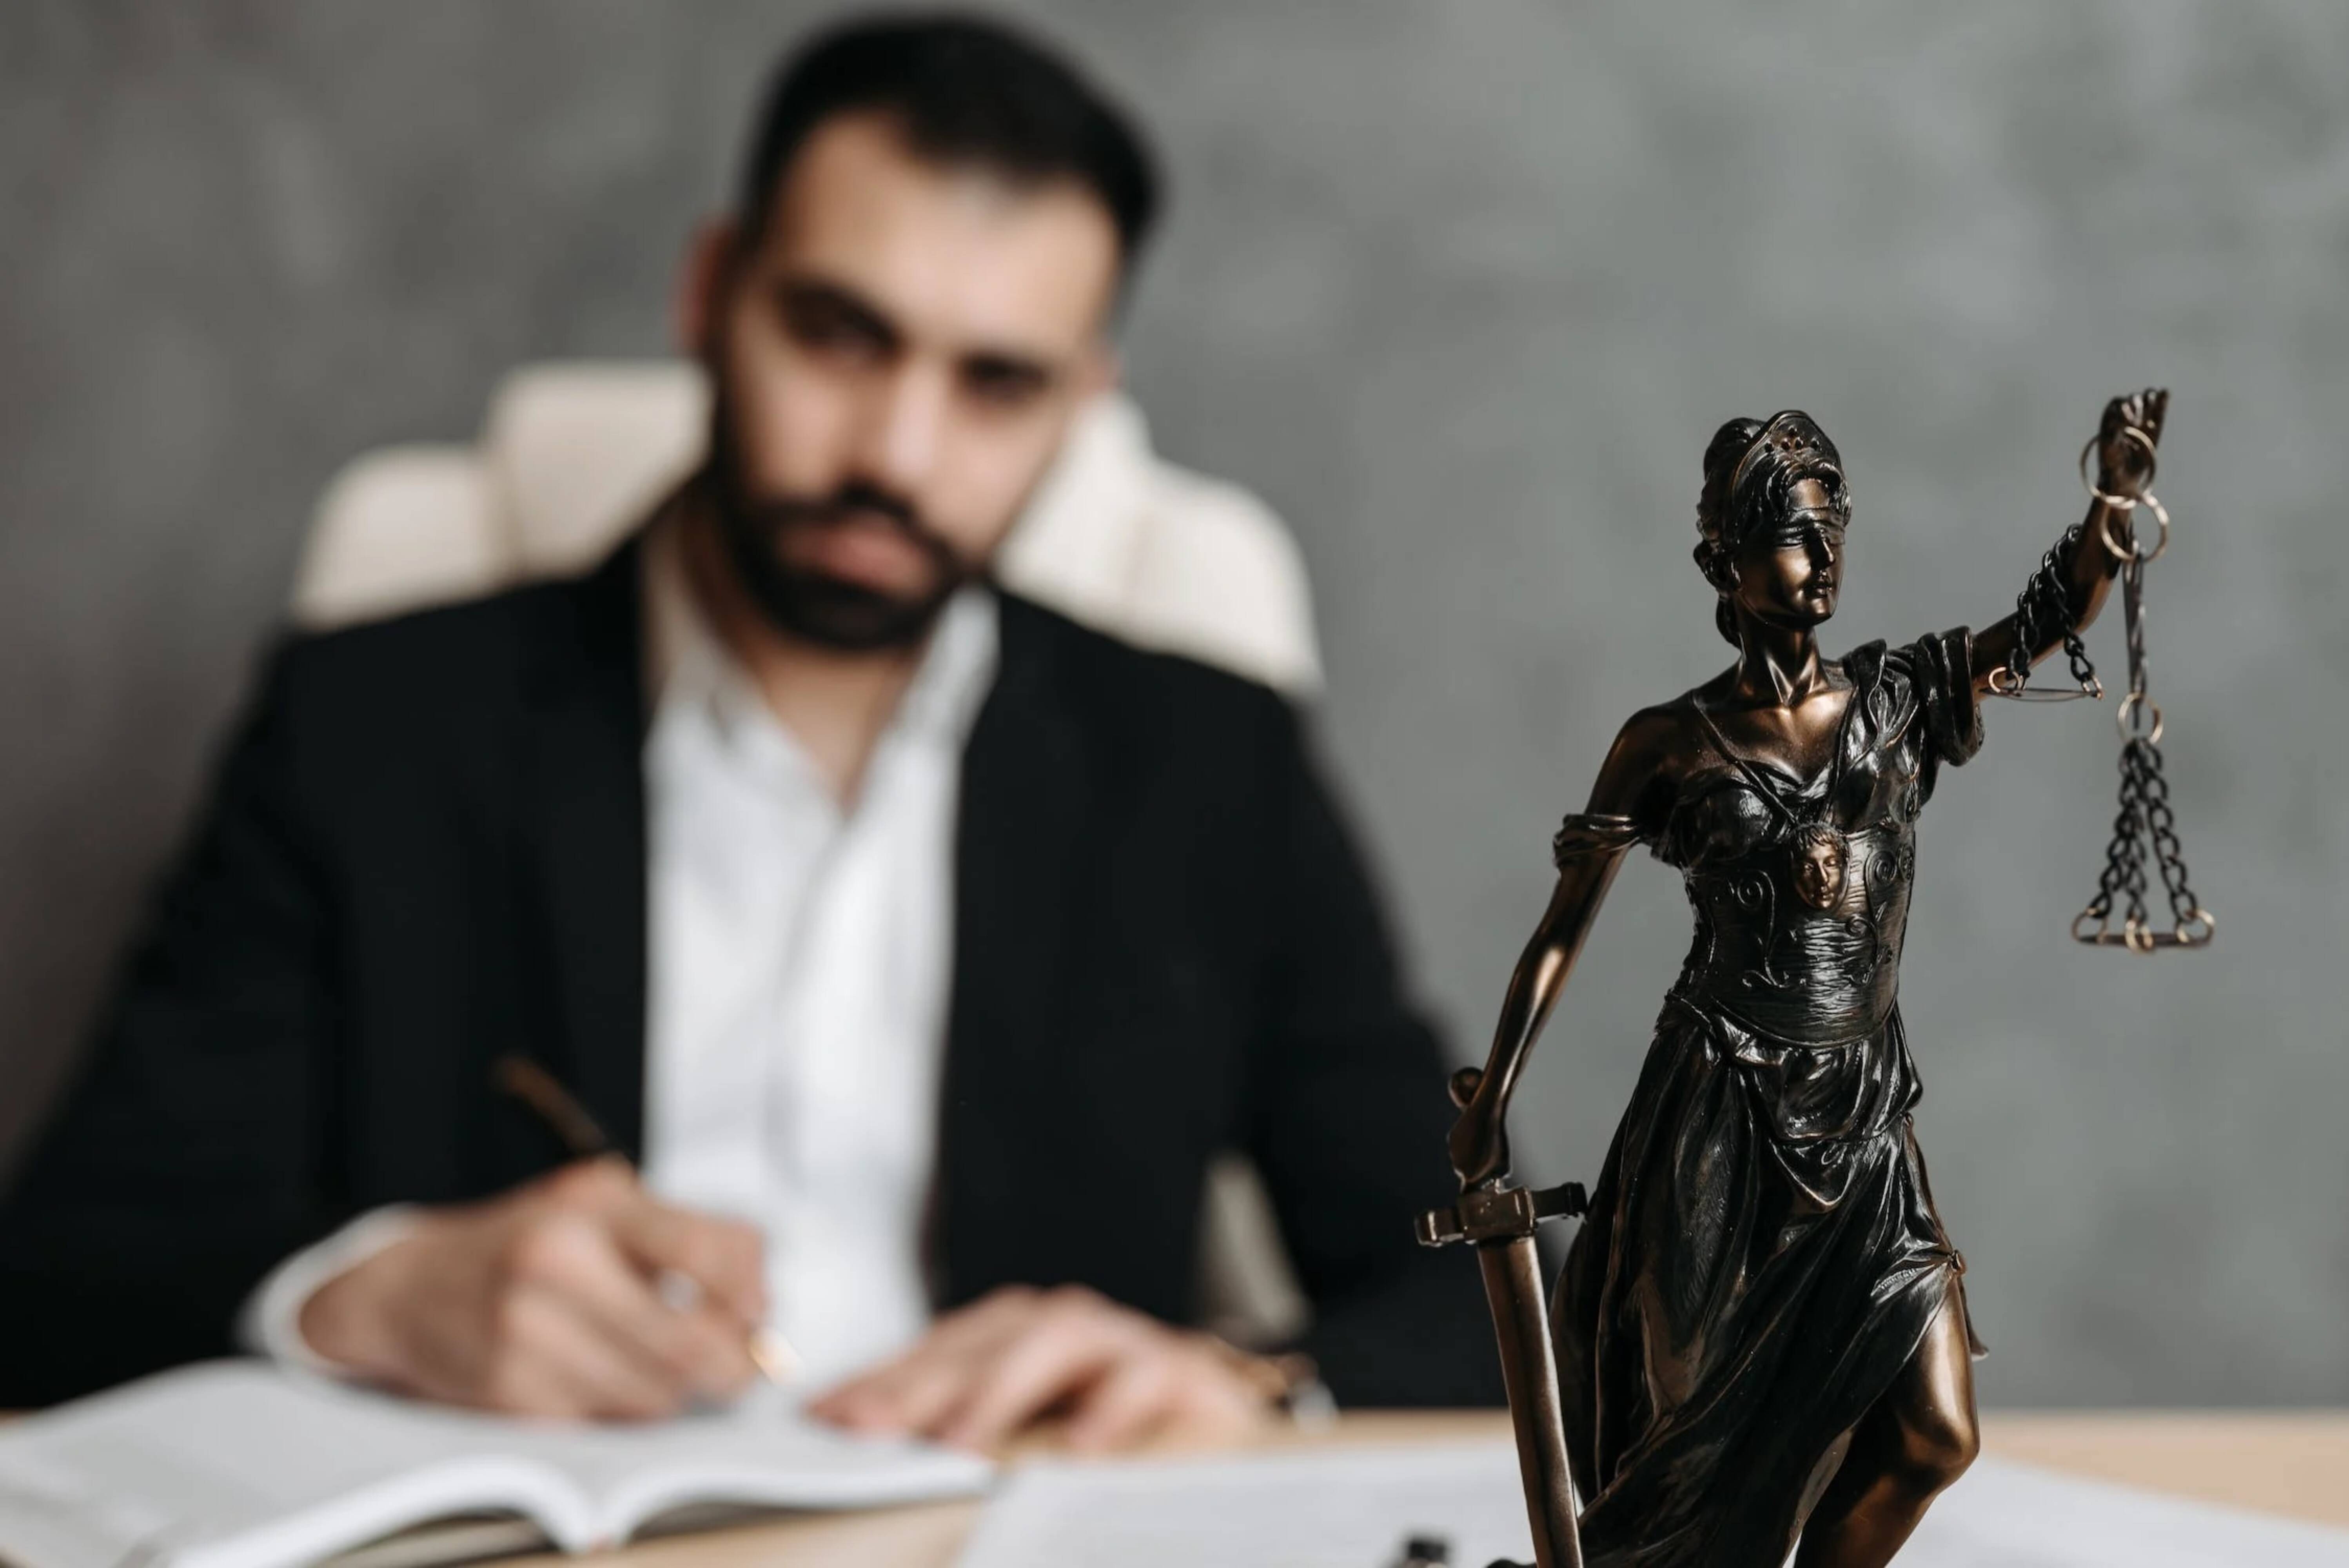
572,455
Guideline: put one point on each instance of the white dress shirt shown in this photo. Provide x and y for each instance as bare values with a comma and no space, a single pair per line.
799,963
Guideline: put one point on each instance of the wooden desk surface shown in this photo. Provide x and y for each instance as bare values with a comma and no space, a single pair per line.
2296,1464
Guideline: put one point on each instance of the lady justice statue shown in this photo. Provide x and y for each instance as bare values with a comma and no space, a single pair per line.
1760,1331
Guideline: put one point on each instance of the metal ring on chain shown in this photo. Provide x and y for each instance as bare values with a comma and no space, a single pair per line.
2152,466
2152,503
2128,717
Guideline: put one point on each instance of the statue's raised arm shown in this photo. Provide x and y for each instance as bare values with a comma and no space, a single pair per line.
2065,596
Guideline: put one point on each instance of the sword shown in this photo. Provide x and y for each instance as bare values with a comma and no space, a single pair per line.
1497,1220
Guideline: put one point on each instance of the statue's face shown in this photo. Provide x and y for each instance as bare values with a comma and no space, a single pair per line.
1790,575
1818,872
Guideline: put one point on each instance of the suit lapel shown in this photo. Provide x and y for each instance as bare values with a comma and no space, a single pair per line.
1025,808
583,827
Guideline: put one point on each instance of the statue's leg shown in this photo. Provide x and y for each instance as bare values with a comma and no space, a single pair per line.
1914,1441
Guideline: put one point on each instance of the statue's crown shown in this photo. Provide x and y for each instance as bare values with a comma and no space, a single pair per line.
1791,433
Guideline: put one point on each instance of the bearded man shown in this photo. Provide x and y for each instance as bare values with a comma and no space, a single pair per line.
915,947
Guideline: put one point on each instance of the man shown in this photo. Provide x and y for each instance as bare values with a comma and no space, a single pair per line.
920,946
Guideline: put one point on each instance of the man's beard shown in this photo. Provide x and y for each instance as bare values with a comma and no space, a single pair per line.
811,605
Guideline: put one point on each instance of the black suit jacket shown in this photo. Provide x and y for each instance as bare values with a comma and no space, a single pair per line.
427,849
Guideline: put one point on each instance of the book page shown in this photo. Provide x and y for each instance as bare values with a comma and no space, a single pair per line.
243,1465
230,1464
1355,1508
762,1450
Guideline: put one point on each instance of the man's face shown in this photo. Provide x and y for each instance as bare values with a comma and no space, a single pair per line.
897,357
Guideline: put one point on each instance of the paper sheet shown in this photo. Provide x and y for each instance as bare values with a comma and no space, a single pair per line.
1354,1508
1346,1508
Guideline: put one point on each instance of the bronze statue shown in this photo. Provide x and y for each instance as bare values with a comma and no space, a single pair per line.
1760,1331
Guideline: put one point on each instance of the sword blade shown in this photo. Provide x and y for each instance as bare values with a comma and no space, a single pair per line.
1513,1289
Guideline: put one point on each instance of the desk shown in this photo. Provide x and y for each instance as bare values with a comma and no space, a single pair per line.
2296,1464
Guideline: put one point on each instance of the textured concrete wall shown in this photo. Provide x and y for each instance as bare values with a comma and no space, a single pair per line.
1463,288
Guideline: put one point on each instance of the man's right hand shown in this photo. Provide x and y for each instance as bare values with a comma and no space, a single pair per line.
579,1296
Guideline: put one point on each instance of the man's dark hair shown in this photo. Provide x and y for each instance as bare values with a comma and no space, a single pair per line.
965,91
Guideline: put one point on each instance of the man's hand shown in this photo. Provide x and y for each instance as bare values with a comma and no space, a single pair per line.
579,1296
1118,1375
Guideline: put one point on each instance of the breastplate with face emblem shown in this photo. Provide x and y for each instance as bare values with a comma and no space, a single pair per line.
1800,889
1801,937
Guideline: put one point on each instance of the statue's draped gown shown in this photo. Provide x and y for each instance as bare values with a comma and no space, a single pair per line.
1762,1255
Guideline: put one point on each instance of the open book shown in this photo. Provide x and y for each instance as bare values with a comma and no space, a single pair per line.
240,1465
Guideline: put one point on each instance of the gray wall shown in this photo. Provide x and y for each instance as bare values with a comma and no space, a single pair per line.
1461,288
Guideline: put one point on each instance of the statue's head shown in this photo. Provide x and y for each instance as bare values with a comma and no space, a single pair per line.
1773,515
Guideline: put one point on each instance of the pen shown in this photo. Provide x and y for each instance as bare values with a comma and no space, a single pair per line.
543,1093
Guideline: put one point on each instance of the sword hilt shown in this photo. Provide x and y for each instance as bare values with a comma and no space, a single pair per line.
1488,1214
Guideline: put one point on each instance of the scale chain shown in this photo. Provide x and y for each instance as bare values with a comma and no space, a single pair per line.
2043,603
2144,820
